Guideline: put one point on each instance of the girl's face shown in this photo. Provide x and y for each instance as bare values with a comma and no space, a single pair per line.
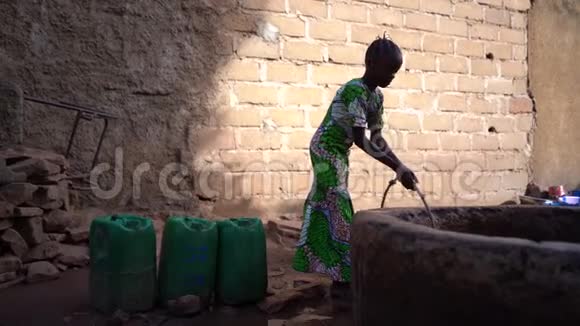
383,72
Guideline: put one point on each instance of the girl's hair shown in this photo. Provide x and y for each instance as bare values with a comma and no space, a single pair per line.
384,47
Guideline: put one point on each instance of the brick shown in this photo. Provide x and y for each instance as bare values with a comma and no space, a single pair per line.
286,72
495,3
301,183
453,64
407,81
500,86
328,30
347,54
303,96
241,118
499,50
420,101
291,26
308,8
242,70
452,142
386,16
512,36
373,1
440,82
455,103
471,84
271,5
482,106
421,22
254,139
364,34
316,117
470,48
525,123
287,117
348,12
485,142
513,69
485,32
408,4
483,67
516,140
406,39
521,5
240,22
520,52
438,122
469,124
391,98
256,94
255,47
444,7
422,141
468,10
515,180
300,139
497,16
440,162
221,139
438,44
487,183
403,121
467,160
518,20
521,87
330,74
303,51
289,161
424,62
501,124
452,27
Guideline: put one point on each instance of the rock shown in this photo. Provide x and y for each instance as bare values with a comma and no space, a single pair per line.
31,230
185,306
7,176
45,196
278,284
18,193
309,320
311,289
276,272
18,280
52,205
5,223
15,241
48,180
27,211
57,221
33,167
73,255
41,271
6,209
15,154
275,303
10,263
63,193
58,237
7,277
61,267
44,251
79,234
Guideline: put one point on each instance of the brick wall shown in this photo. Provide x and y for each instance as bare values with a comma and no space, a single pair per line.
464,74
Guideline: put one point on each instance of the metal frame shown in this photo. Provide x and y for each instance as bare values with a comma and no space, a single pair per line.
82,112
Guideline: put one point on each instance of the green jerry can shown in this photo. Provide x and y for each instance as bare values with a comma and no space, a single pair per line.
188,259
242,275
123,263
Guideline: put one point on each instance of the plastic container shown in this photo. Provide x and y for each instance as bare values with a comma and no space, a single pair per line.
242,275
570,200
188,259
123,266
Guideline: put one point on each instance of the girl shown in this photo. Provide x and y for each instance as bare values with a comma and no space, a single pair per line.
324,241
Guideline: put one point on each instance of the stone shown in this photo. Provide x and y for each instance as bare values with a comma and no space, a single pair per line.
311,289
185,306
44,251
79,234
35,168
12,113
7,176
58,237
63,193
31,230
52,205
45,195
278,284
309,320
18,193
19,153
6,209
5,223
41,271
7,277
9,263
18,280
61,267
15,241
277,302
76,256
27,211
49,179
57,221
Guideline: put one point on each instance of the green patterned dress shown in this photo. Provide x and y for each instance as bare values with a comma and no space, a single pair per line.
324,241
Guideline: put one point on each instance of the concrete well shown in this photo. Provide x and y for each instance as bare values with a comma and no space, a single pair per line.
480,266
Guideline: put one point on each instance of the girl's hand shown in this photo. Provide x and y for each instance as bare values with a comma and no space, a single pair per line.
407,177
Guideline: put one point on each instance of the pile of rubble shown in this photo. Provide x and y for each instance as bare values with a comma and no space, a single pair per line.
38,235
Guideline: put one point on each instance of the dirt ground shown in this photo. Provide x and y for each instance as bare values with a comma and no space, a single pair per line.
66,301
